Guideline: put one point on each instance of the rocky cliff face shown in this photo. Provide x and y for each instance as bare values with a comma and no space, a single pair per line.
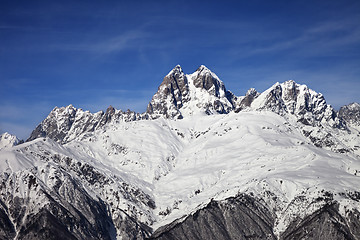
172,94
351,113
244,217
67,123
240,217
50,198
182,95
242,103
325,223
309,107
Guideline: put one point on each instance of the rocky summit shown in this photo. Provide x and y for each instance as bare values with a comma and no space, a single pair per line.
200,163
180,94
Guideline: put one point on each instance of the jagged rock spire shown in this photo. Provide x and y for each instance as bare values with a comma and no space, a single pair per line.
171,94
199,92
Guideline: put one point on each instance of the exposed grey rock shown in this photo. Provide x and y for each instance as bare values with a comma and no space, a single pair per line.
7,230
244,217
171,95
308,106
67,123
176,96
326,223
73,217
351,113
53,202
205,79
56,125
76,217
241,217
246,101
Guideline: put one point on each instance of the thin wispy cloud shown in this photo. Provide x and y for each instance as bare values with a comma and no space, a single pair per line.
317,39
120,42
112,44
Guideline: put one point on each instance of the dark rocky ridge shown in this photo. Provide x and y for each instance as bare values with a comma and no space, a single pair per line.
83,217
207,80
174,94
325,223
62,208
351,113
308,106
241,217
175,87
246,101
7,230
66,123
244,217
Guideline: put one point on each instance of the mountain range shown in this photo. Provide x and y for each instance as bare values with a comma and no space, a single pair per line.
200,163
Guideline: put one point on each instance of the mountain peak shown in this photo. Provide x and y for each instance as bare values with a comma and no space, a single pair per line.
290,84
206,79
252,92
8,140
354,106
176,70
170,96
110,109
351,113
176,95
202,68
290,97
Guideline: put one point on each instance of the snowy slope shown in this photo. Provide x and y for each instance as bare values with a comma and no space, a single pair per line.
42,178
181,165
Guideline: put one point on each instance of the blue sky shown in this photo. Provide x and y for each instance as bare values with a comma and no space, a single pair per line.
93,54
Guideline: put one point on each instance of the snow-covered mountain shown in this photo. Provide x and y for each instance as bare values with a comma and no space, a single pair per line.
7,140
200,163
66,123
351,114
319,121
308,106
182,95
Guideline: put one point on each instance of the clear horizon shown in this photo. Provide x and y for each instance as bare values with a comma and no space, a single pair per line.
93,55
